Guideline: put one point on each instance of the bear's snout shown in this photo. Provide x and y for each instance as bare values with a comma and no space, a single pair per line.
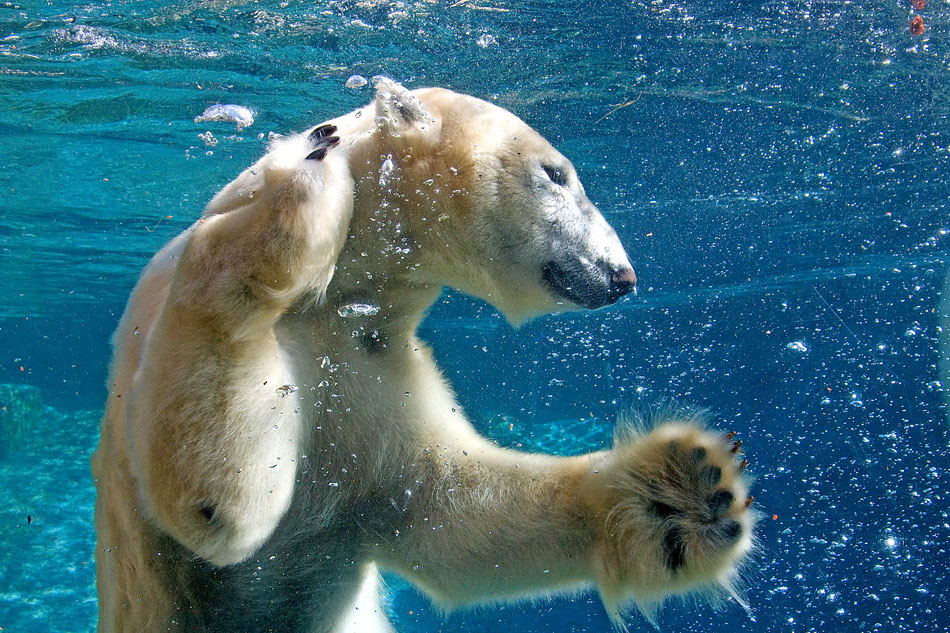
622,282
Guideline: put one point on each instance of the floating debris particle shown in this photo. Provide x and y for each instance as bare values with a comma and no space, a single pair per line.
229,113
356,81
917,25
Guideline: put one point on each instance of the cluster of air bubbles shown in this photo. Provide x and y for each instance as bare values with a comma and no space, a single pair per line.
485,40
386,170
934,240
208,138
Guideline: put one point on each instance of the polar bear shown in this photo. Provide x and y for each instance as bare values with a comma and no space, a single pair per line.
275,432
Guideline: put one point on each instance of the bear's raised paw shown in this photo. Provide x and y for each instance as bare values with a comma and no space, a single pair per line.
679,518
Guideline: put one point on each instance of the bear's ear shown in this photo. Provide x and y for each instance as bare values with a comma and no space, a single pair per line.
399,113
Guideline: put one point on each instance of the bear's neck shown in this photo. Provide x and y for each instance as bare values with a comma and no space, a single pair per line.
378,281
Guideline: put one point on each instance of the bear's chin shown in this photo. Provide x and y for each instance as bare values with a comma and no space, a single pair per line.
520,309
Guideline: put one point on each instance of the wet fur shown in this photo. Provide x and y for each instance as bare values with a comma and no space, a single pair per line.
261,456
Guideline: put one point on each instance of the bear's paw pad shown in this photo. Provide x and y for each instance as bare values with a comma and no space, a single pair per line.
684,489
699,509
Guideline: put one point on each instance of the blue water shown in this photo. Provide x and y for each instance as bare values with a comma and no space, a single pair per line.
779,172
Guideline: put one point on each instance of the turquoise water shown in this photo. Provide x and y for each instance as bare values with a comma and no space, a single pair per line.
778,171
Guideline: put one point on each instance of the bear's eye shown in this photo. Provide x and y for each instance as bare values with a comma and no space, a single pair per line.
556,175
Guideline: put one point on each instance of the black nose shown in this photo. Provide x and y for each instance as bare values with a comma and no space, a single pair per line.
622,282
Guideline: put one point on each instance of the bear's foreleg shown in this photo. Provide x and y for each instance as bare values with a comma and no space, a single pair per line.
215,428
663,513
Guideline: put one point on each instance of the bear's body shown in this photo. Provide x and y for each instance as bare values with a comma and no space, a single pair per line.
268,442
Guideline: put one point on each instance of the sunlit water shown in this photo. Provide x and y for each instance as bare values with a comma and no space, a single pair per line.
777,170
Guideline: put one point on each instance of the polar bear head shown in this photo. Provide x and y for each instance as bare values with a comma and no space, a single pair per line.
484,202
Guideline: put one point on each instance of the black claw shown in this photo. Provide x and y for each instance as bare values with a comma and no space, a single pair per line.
730,435
720,501
318,154
749,501
743,464
321,132
737,447
322,146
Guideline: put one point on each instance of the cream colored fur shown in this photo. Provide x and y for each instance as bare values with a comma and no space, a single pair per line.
261,454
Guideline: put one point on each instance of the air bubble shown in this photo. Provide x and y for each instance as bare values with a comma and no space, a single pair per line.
241,116
352,310
286,389
386,171
797,346
356,81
